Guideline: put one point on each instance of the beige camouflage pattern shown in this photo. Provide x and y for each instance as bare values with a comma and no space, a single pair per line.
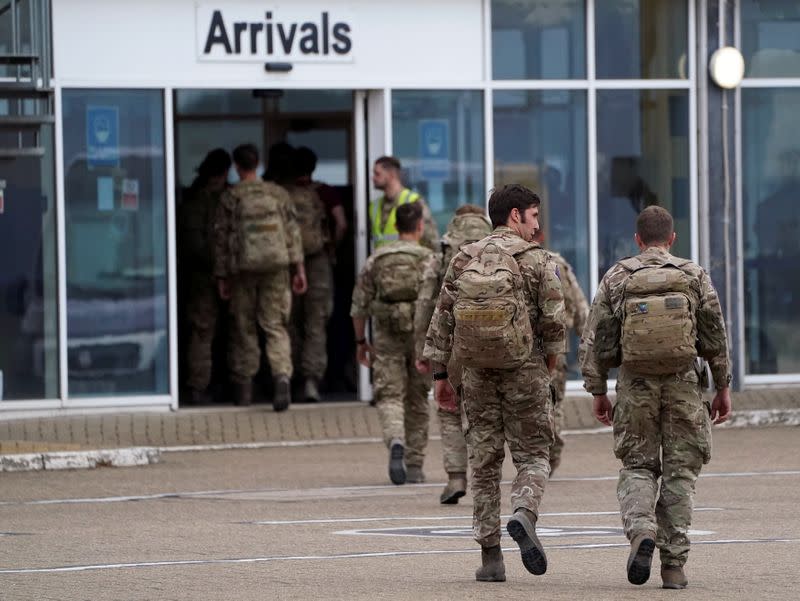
576,311
310,314
401,393
661,423
506,406
311,217
430,235
263,300
257,199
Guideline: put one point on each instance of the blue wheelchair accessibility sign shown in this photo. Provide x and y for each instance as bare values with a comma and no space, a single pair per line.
102,136
434,150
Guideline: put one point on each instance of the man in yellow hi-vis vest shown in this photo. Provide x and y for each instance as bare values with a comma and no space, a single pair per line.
382,212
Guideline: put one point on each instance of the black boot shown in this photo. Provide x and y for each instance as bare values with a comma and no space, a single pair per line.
243,392
281,393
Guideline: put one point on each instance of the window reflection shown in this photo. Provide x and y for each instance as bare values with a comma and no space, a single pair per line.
438,137
642,160
771,219
114,189
771,38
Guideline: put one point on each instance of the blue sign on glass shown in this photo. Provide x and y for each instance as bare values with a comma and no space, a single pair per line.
102,136
434,148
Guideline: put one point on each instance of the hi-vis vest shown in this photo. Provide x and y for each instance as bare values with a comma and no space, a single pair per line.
389,232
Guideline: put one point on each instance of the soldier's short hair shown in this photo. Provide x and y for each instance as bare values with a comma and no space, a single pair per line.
388,162
654,224
408,217
470,210
246,156
509,197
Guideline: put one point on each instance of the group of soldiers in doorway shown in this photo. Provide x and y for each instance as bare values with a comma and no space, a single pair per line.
259,252
484,315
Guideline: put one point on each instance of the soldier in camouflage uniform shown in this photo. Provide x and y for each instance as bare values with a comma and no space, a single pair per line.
385,292
195,247
468,225
257,243
576,310
505,405
661,422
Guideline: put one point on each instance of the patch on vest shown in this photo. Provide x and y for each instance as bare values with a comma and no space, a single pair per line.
641,308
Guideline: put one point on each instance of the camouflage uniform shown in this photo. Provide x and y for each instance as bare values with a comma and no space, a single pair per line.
256,298
506,406
195,247
311,311
661,423
430,235
401,392
576,310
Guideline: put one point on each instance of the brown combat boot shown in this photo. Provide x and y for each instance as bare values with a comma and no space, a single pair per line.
243,393
414,474
673,577
281,393
641,556
455,489
492,568
522,528
311,390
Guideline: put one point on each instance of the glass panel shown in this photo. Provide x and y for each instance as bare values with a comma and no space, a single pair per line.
642,159
114,195
771,38
28,278
771,219
538,39
333,153
641,39
438,137
315,101
217,102
540,142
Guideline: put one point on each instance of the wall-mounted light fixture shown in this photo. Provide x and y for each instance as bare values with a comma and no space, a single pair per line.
726,67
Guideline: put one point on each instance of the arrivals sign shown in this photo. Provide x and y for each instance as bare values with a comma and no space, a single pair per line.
267,32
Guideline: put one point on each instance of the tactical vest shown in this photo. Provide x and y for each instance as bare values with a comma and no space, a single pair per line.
492,324
659,330
310,217
259,231
463,229
388,233
396,273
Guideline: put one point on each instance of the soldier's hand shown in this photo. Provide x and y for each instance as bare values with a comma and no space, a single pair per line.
224,288
423,366
445,396
364,354
601,407
721,406
299,283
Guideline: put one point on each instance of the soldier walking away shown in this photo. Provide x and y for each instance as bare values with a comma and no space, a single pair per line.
383,211
658,318
576,310
196,251
496,293
468,225
257,244
386,291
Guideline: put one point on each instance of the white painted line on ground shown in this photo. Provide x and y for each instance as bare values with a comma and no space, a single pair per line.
276,558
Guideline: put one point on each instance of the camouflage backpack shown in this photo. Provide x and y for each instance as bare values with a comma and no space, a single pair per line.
659,330
396,270
260,239
492,325
310,218
463,229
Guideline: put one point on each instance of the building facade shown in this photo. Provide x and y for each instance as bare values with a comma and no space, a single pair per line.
603,107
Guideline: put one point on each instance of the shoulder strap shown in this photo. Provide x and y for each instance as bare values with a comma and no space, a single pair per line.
632,263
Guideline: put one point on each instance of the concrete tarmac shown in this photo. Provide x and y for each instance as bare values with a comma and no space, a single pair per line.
324,523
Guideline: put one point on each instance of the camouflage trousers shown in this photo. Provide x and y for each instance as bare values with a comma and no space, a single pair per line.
661,428
310,314
202,310
401,397
454,445
513,407
559,384
259,299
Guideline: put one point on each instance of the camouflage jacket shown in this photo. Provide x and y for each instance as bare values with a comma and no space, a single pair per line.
225,222
608,296
431,282
542,294
576,307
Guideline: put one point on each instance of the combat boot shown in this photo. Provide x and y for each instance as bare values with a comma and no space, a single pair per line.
522,528
311,391
640,558
673,577
199,398
455,489
281,393
414,474
243,393
492,568
397,467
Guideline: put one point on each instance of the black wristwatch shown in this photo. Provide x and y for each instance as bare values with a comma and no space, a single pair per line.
440,375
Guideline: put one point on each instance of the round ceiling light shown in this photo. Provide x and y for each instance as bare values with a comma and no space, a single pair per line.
726,67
